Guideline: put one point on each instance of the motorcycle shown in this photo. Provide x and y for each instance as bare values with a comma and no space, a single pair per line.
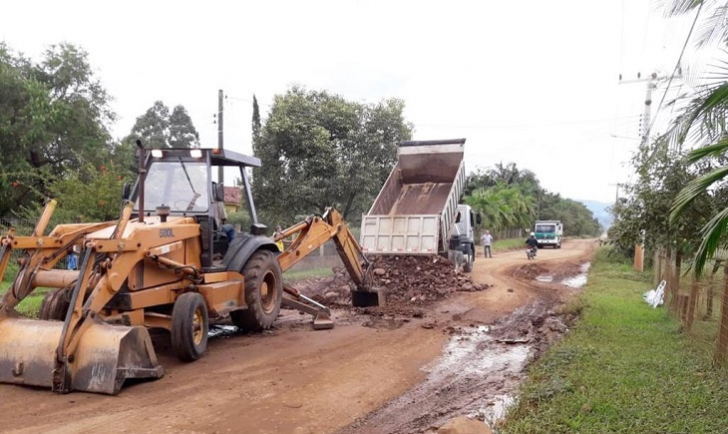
531,253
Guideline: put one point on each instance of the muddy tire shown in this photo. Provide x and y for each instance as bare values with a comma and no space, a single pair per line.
469,260
190,325
55,305
263,292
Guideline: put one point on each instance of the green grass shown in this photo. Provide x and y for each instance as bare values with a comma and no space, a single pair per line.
30,306
293,276
508,244
625,368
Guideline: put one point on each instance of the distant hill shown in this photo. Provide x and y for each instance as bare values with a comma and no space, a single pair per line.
600,211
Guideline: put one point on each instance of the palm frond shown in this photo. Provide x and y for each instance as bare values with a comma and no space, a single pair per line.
715,150
695,188
712,235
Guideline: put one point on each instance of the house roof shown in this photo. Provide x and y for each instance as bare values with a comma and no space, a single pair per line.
233,195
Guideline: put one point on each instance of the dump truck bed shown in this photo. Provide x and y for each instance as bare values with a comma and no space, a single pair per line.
415,210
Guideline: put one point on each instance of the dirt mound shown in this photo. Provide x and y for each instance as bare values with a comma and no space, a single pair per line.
412,281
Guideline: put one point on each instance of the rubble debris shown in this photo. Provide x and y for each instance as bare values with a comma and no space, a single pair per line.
407,280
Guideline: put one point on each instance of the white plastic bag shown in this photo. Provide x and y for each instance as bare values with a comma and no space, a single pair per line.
656,297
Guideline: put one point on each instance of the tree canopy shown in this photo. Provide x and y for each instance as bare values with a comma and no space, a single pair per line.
511,198
318,149
54,117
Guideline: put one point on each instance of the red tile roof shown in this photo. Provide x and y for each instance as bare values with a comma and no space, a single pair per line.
233,195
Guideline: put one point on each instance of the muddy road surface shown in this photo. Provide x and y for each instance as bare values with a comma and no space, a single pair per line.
296,380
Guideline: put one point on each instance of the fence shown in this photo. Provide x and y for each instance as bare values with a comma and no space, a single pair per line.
701,305
507,234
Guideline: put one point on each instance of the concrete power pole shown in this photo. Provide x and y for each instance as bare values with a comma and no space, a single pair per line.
652,81
220,98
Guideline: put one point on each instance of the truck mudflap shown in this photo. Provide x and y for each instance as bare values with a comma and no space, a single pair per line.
106,356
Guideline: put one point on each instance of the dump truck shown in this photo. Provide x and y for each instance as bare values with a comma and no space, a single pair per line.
418,210
164,264
548,233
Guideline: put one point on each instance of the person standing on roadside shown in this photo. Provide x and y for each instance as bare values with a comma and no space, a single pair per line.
487,241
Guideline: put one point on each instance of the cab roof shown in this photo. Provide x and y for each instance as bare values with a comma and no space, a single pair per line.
218,157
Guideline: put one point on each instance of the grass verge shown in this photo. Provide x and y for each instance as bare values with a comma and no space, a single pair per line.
30,306
624,368
509,244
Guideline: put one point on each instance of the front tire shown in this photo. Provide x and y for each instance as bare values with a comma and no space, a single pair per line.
263,292
190,325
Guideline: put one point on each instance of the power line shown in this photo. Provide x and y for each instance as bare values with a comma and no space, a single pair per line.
677,67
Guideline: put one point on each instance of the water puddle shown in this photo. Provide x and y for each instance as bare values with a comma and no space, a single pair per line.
575,282
476,375
580,279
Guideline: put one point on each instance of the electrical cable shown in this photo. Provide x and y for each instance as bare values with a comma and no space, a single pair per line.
674,71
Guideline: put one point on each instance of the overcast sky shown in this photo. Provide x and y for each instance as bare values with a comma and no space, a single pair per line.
531,82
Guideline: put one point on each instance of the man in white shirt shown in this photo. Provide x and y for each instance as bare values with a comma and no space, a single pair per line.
487,240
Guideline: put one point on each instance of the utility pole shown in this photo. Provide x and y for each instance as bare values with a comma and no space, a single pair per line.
616,197
220,172
652,81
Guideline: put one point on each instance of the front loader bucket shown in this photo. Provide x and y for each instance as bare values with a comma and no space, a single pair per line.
106,356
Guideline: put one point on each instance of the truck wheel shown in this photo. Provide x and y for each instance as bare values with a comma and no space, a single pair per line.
189,326
54,305
469,259
263,292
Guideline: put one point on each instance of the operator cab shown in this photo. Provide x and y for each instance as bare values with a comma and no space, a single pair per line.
178,183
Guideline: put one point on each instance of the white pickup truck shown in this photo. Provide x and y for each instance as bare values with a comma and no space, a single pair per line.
417,212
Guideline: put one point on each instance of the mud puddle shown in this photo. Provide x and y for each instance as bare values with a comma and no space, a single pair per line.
567,279
477,375
580,279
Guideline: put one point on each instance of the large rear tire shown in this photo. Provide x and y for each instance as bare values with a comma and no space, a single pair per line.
55,305
263,292
190,325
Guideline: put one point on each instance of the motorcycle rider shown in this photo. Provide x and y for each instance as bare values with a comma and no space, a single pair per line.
532,243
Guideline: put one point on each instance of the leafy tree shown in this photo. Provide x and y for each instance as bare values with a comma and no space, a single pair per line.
256,119
703,123
503,206
512,198
649,201
318,150
157,128
53,116
577,219
182,133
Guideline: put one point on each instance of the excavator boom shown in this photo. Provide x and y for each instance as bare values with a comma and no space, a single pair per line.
313,233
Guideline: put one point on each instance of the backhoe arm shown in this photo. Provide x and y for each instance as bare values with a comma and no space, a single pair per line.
314,232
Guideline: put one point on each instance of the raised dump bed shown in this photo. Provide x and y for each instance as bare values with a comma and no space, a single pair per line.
415,211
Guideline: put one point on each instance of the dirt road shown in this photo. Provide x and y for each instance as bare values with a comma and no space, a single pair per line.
291,380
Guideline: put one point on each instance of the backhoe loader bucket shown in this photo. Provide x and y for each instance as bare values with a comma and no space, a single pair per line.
106,356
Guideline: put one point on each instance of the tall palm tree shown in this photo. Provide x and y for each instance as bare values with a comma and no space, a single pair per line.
703,123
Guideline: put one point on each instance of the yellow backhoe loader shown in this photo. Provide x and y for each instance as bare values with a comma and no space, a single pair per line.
172,268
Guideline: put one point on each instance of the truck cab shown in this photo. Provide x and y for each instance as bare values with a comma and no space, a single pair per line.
548,233
462,237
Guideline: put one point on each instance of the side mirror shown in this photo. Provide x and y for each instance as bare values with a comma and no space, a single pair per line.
218,193
126,191
478,219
